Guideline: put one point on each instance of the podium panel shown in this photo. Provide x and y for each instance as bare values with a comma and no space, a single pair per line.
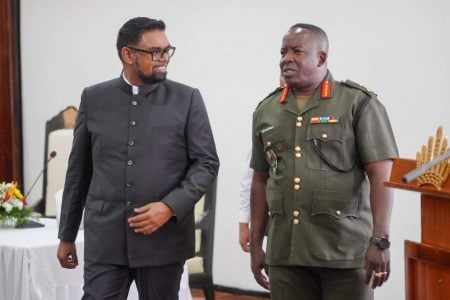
427,271
435,221
427,264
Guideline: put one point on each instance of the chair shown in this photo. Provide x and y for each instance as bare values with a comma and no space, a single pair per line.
59,141
64,119
200,266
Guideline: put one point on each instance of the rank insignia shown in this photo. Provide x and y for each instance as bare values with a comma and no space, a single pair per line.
324,120
325,92
284,95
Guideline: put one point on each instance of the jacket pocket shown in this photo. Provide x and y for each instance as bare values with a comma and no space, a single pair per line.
336,148
278,244
169,143
167,129
94,203
336,230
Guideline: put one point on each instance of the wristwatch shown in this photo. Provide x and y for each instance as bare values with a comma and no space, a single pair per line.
382,242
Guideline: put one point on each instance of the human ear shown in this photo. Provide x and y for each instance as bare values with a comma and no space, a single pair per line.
127,56
322,58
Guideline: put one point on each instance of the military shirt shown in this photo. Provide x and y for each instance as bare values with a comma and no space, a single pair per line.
317,190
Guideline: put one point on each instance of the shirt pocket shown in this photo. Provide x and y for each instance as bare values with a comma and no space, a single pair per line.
272,140
336,229
278,232
335,145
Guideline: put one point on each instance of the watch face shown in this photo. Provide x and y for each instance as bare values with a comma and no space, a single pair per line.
384,243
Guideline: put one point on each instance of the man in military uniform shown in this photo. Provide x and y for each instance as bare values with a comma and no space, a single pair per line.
321,152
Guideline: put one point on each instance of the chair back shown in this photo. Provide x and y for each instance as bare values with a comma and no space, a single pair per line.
59,141
65,119
200,266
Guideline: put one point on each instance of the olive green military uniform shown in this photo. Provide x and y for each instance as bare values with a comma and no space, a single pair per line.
317,191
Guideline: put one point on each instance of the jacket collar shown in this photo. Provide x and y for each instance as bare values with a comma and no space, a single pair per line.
141,90
291,103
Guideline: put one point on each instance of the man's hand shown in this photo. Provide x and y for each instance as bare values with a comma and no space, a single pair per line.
377,264
258,265
149,218
67,254
244,236
258,213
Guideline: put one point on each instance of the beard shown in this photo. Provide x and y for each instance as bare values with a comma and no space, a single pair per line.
149,79
152,78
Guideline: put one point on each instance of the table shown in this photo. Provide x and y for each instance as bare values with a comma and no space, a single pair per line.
29,268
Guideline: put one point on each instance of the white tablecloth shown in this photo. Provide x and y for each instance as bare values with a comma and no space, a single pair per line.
29,268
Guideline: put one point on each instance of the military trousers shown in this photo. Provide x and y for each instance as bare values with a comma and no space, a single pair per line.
312,283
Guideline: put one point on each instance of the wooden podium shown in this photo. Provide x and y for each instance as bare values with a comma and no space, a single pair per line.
427,264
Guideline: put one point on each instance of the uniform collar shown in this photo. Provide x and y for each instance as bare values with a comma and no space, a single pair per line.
291,104
137,90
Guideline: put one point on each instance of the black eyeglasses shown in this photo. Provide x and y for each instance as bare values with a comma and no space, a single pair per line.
156,53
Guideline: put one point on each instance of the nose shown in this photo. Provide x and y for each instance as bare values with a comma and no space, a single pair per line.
287,57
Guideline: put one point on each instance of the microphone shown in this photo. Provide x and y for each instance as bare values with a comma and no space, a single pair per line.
50,157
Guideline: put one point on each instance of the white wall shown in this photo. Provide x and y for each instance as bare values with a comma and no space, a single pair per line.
230,50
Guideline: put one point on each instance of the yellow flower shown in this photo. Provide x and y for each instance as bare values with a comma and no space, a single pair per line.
14,191
18,194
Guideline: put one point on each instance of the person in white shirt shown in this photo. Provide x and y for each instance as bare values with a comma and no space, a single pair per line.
244,209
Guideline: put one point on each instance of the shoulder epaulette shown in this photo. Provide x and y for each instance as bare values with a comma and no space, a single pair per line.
355,85
272,93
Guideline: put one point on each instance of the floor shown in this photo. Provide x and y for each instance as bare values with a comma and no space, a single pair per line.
198,295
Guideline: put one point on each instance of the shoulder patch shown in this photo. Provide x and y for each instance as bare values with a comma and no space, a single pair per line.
270,94
355,85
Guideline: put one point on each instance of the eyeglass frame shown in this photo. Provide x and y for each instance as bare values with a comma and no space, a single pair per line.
157,50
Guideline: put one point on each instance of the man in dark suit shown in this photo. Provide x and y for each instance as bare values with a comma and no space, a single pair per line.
143,154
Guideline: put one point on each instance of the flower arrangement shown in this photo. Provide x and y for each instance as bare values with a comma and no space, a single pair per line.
13,205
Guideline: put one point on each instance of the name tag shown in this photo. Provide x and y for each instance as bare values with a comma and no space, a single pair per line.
266,129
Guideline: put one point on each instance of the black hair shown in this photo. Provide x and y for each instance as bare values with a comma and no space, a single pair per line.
315,29
318,32
131,32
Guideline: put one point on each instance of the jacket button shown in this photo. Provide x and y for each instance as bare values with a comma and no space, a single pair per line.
134,102
130,143
338,213
268,144
297,179
298,124
133,123
130,162
297,148
298,155
129,183
296,187
324,136
299,118
296,213
129,203
296,221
